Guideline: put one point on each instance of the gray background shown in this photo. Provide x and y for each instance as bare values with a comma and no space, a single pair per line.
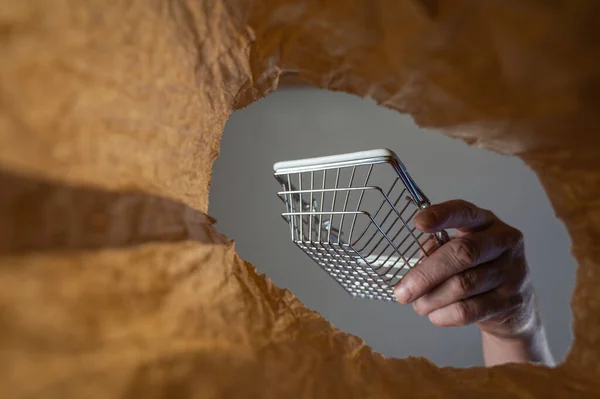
300,123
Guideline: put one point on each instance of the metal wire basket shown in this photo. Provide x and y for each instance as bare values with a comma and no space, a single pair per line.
353,215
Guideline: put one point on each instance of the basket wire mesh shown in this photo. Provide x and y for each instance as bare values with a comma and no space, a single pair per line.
353,215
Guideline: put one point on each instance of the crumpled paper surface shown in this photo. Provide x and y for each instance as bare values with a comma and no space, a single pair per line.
114,281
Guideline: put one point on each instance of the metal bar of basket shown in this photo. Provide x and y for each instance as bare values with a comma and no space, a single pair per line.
360,198
381,207
346,212
294,197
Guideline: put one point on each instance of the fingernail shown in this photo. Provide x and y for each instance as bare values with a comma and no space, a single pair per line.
437,317
402,294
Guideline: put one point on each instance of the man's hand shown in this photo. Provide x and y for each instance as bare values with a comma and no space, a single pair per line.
480,276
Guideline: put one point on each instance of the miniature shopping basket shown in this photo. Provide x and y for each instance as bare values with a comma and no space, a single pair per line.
353,215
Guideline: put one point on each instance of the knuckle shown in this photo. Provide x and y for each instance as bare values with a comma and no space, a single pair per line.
518,235
469,211
419,277
514,236
465,251
514,240
457,287
518,240
464,284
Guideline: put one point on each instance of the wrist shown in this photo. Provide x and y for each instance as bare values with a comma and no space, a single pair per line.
528,345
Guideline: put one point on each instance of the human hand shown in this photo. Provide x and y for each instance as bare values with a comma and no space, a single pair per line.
480,276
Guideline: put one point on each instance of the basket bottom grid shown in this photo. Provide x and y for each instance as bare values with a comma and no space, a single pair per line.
373,277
